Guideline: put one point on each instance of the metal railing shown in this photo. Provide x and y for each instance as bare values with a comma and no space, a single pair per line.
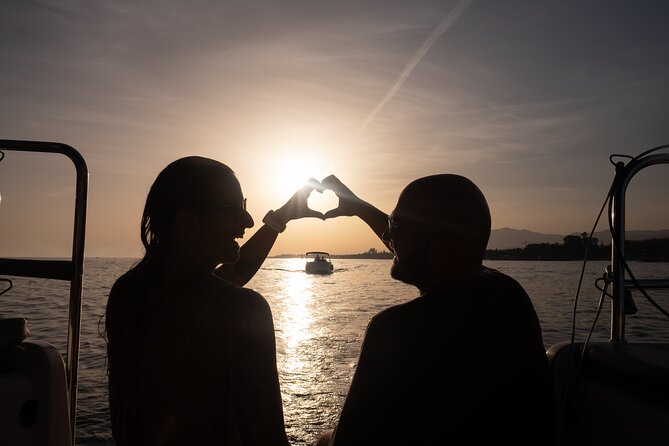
624,174
70,270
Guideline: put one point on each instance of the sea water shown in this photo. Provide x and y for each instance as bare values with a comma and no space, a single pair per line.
320,322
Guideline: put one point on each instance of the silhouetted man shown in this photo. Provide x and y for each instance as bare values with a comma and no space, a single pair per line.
463,363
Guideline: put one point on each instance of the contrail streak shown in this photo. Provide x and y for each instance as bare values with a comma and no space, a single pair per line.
446,23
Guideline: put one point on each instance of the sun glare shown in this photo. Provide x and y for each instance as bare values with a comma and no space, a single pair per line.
293,169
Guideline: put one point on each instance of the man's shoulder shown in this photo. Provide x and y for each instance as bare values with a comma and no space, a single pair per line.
496,278
492,273
407,312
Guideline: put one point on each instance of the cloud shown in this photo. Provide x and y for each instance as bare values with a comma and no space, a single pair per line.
443,26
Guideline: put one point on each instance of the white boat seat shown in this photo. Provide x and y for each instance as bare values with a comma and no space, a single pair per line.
620,396
33,396
642,368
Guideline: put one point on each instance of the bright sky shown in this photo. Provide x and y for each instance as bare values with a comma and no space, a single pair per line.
526,98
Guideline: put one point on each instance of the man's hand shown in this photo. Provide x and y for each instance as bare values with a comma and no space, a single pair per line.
349,203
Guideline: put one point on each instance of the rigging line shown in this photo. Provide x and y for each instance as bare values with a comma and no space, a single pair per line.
10,284
570,385
443,26
649,151
605,293
607,201
581,358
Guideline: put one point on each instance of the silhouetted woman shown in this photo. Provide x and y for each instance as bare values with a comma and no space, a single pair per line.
191,353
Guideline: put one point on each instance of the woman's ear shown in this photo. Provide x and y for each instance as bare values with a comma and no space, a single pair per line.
186,221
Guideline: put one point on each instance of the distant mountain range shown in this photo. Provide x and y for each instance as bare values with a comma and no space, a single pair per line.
508,238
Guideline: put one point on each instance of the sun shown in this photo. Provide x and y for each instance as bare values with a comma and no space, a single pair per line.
290,171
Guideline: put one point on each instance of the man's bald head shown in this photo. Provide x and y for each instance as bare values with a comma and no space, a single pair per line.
450,204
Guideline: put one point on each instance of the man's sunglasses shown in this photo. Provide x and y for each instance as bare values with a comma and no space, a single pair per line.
394,225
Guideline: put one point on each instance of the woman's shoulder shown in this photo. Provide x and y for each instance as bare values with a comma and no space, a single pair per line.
241,306
124,282
123,287
136,276
228,292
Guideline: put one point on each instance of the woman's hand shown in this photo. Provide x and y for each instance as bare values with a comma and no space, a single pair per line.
297,207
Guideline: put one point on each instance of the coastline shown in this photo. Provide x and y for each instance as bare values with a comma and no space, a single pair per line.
573,248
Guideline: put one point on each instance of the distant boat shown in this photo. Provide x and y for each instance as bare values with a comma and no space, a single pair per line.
318,262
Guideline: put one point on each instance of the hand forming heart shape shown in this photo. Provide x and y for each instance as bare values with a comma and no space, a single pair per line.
322,201
334,198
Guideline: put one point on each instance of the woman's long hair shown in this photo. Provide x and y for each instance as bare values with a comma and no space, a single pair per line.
188,183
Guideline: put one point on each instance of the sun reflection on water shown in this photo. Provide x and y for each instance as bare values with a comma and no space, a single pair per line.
295,320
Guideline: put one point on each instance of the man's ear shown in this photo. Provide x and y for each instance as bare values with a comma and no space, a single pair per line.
450,246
